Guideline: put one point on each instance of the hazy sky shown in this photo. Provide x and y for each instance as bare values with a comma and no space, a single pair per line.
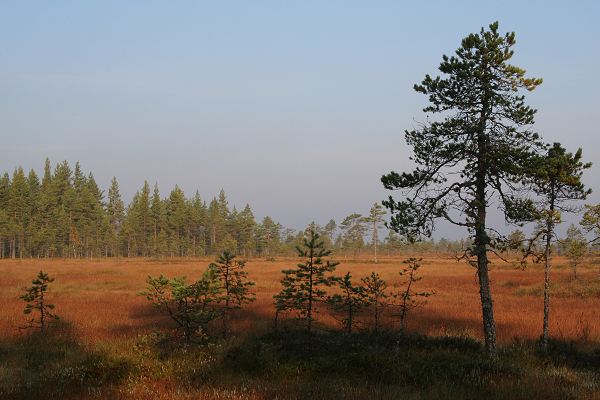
297,108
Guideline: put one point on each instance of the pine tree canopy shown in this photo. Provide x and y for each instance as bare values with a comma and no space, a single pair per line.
482,137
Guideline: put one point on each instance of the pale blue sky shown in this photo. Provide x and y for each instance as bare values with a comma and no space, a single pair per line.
295,107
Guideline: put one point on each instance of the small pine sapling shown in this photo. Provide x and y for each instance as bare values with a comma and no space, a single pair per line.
406,298
303,286
35,296
374,289
576,248
191,307
234,283
349,302
557,180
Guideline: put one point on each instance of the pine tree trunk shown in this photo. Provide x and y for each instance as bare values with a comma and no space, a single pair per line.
375,238
481,237
350,315
42,312
489,325
310,294
547,267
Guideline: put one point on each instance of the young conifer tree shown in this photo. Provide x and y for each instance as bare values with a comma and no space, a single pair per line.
35,296
476,147
406,298
303,286
556,177
576,247
349,302
234,283
375,291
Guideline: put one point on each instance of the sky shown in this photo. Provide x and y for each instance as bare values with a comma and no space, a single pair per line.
297,108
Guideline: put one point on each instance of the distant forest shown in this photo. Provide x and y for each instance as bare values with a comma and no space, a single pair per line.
67,215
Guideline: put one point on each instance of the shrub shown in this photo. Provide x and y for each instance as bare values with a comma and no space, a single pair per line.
192,307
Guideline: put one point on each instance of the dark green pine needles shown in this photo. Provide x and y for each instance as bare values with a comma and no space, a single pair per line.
476,146
42,314
303,287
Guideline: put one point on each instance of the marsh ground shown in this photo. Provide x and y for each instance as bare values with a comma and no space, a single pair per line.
104,344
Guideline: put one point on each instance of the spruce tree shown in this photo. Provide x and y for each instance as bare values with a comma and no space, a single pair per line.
159,224
176,212
303,286
144,221
115,210
217,223
62,197
32,220
4,215
17,210
45,206
480,147
138,227
246,231
197,225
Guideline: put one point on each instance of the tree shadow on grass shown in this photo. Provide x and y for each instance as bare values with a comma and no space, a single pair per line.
147,318
143,319
290,363
55,366
294,364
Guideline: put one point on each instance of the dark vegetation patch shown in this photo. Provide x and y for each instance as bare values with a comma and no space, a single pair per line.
56,367
293,364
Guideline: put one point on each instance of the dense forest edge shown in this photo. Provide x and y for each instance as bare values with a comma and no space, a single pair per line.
68,215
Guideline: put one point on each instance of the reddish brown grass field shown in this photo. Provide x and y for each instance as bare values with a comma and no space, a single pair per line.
100,299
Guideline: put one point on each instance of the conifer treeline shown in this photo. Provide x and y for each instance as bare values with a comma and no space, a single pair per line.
66,214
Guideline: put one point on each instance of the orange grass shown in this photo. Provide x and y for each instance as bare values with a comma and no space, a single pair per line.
100,299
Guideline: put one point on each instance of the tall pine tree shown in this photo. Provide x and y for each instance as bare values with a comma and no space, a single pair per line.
480,147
